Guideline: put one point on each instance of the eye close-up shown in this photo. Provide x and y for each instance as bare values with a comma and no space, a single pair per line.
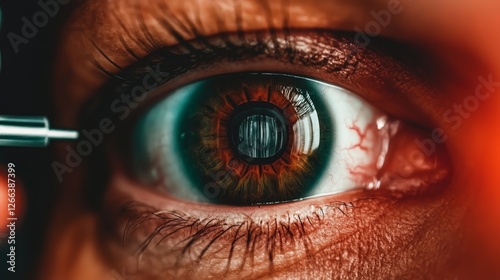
246,139
249,139
234,168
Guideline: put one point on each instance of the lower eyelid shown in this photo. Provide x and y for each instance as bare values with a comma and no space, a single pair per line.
352,236
189,238
163,231
128,189
158,227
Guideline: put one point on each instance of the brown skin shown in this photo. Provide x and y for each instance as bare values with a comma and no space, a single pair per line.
386,238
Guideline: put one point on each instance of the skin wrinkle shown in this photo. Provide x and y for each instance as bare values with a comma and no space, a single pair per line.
367,231
95,24
105,30
73,85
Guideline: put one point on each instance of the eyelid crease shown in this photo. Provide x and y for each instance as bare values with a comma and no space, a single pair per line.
155,21
115,28
333,55
170,62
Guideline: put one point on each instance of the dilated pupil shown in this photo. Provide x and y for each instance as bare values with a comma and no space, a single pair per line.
258,132
259,137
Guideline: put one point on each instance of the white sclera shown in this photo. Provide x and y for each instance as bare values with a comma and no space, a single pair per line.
361,138
150,161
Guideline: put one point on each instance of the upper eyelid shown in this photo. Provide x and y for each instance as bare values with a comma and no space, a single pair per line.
98,21
333,53
170,60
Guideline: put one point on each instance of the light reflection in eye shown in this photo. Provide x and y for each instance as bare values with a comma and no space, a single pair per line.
260,138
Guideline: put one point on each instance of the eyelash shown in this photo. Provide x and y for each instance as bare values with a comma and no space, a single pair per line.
188,54
181,27
275,233
172,63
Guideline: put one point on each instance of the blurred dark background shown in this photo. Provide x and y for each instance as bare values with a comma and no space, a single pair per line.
25,86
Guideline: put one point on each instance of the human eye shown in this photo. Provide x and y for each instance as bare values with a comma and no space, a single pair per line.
192,190
253,138
260,138
195,187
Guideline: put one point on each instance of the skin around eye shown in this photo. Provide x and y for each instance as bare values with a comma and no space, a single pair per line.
190,237
157,225
187,239
408,237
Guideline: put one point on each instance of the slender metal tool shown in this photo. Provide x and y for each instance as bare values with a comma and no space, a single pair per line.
27,131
